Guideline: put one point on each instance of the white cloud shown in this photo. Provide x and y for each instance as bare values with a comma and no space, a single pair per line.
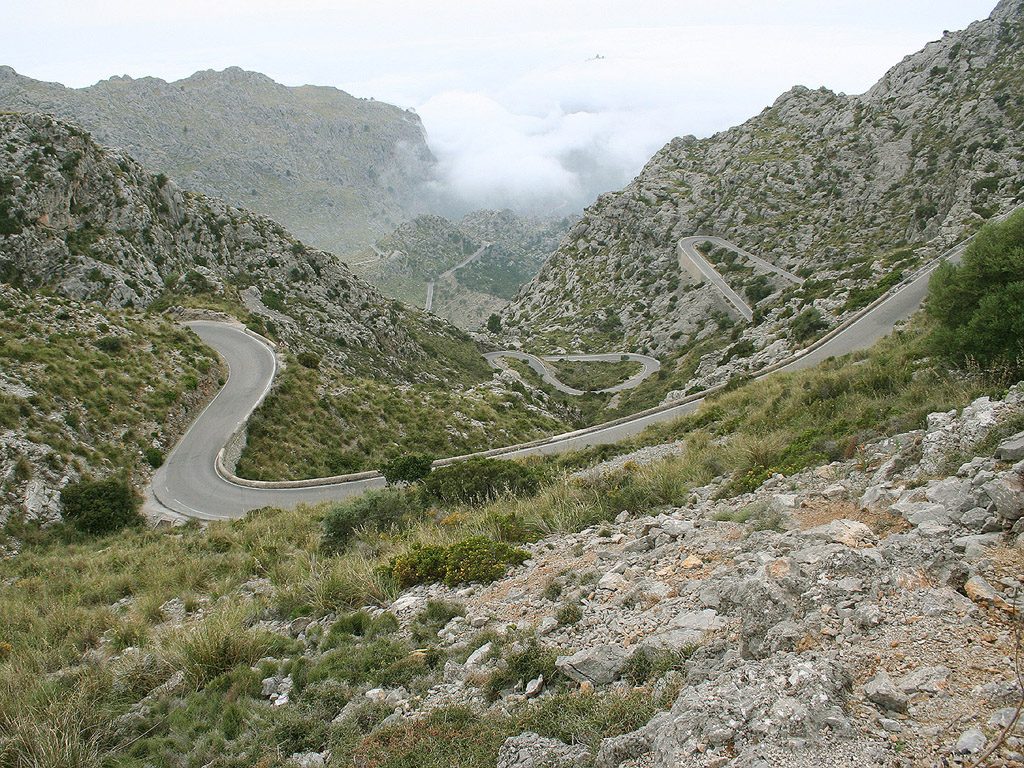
516,109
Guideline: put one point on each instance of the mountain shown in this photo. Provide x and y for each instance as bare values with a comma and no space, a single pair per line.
91,224
475,265
337,170
850,191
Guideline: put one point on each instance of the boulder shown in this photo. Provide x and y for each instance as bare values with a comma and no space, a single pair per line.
1007,493
849,533
917,512
925,680
879,690
531,750
1012,449
981,592
598,665
970,742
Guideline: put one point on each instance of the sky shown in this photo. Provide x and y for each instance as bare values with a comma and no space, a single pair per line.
536,105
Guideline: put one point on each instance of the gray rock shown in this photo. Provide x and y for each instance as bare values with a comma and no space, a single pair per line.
917,512
1007,493
776,699
980,520
307,760
613,582
531,750
1012,449
970,742
880,691
975,546
617,750
890,726
1003,717
534,687
478,657
937,602
953,493
925,680
598,665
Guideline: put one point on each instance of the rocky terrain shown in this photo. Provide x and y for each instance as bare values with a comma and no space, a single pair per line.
850,192
89,391
337,170
863,610
498,251
91,224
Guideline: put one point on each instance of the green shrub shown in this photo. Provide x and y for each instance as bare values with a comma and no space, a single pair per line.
154,456
309,360
420,565
360,624
980,305
101,506
407,469
568,614
112,345
387,508
474,559
806,324
480,560
478,480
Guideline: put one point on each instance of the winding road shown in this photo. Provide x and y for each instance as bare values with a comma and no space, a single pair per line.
447,273
650,365
196,482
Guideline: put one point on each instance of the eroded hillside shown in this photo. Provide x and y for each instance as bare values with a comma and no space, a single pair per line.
846,190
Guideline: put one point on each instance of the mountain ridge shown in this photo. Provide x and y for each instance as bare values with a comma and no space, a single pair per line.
337,169
819,182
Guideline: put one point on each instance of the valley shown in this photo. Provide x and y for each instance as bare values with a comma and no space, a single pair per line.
726,472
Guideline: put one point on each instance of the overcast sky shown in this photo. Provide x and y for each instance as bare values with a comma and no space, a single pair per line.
526,102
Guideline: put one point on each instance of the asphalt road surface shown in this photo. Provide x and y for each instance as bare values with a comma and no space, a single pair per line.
191,484
650,365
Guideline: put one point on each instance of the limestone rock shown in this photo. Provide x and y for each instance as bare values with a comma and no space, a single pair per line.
530,750
1012,449
849,533
881,691
598,665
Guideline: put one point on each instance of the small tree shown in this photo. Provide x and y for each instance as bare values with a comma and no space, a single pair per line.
407,469
494,323
101,506
980,306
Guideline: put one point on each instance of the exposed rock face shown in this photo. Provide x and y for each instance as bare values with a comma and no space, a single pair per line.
91,224
813,183
335,169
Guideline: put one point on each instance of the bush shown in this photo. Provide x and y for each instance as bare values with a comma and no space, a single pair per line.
478,480
378,510
154,456
407,469
101,506
806,324
422,564
980,305
480,560
309,360
474,559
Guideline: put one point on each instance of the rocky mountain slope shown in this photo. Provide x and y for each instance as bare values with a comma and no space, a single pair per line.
337,170
90,224
861,611
476,264
851,191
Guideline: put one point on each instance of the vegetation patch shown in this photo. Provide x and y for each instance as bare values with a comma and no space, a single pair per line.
475,559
